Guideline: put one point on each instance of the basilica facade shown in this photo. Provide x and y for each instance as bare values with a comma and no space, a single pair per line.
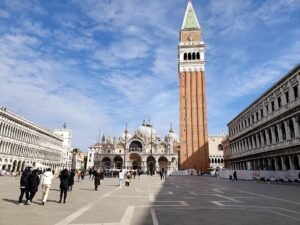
143,149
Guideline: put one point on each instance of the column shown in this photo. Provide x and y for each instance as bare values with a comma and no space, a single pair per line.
280,136
287,130
296,127
282,163
258,144
273,134
262,143
291,162
267,137
276,164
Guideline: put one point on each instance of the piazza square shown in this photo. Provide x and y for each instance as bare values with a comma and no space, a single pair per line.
149,112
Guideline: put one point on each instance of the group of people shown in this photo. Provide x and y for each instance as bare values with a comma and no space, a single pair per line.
32,178
125,177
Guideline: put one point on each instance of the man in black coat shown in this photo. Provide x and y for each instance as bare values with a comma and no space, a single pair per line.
33,184
64,184
97,178
24,185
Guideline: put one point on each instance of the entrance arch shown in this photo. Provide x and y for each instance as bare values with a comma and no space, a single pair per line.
14,166
163,163
106,163
151,164
136,161
118,162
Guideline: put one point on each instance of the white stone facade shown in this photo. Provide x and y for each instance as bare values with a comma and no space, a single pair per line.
216,154
142,150
266,135
66,135
24,143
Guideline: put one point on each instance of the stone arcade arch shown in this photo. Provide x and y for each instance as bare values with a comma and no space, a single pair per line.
151,164
118,162
135,160
106,163
163,163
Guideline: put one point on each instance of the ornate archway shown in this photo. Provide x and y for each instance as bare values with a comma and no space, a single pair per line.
151,164
106,163
118,162
163,163
135,160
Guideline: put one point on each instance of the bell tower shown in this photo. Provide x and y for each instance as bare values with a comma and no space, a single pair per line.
193,120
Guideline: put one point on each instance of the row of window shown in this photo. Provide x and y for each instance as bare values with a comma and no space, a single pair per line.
271,135
275,104
191,56
216,160
25,151
21,135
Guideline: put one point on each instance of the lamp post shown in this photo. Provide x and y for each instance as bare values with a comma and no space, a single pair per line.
126,131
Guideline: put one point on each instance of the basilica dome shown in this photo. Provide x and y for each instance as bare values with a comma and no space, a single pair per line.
146,130
172,136
127,136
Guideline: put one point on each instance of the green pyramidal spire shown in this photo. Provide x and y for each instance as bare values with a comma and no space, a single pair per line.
190,19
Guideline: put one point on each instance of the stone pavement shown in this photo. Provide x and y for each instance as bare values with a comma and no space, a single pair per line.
179,200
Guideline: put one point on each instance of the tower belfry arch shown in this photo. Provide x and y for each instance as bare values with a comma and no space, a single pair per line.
193,119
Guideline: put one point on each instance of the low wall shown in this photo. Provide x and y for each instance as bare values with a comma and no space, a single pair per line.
184,172
249,174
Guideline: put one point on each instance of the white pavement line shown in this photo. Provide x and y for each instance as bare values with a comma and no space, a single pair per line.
216,190
171,193
79,212
218,203
126,219
127,196
184,203
177,186
229,198
95,224
266,196
154,218
193,193
151,197
284,215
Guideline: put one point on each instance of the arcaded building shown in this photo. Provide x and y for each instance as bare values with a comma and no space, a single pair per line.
23,143
143,149
193,120
266,135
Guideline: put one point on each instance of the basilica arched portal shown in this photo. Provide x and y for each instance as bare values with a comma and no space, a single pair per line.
163,163
151,167
135,160
118,162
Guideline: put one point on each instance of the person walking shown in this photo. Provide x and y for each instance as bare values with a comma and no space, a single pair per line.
97,178
64,178
161,173
235,176
46,181
24,185
71,180
82,174
33,184
121,178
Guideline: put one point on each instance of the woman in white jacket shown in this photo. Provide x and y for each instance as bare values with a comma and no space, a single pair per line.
46,184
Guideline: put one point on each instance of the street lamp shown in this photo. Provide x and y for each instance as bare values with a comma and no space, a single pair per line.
126,131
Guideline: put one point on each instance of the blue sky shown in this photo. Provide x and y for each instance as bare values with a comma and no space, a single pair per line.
104,63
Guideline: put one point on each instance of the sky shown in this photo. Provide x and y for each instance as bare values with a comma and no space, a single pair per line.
99,64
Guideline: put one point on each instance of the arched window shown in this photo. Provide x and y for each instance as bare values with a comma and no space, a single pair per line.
198,55
219,161
189,56
185,56
194,56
